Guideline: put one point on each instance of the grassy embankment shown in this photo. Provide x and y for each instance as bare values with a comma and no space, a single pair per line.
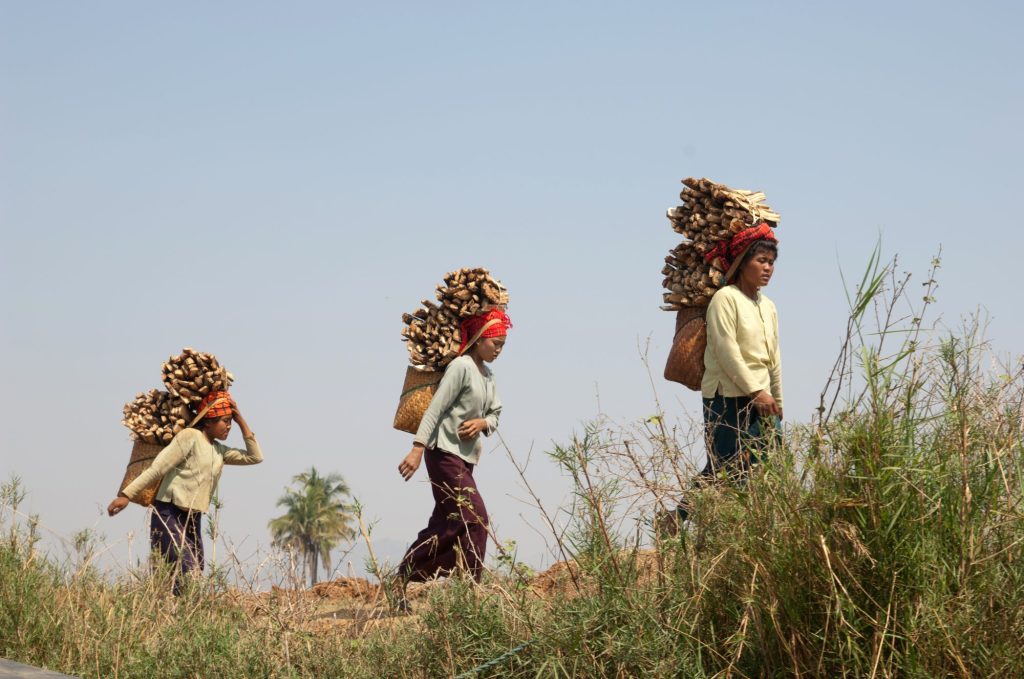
883,539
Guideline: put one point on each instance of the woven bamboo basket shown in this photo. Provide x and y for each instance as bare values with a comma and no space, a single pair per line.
143,455
417,391
685,363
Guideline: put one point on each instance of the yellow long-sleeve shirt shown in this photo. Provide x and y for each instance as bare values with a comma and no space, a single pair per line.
191,468
742,356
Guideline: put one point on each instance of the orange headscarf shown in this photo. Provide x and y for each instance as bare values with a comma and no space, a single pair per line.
222,402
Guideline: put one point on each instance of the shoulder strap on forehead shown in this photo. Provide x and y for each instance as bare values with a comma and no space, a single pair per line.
216,401
488,324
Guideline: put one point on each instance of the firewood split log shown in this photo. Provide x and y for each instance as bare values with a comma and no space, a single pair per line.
192,374
156,416
431,333
710,213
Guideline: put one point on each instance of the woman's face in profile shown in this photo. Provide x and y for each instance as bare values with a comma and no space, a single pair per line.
218,428
757,272
489,348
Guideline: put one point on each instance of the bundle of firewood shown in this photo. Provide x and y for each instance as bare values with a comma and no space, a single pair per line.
710,213
431,333
192,374
156,416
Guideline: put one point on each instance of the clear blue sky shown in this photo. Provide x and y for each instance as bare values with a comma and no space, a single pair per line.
278,183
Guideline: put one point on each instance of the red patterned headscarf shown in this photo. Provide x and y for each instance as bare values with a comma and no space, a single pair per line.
726,251
222,402
495,323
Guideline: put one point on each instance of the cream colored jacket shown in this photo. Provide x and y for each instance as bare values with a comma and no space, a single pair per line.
191,466
742,356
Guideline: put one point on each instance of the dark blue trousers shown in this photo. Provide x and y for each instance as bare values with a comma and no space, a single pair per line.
736,435
176,534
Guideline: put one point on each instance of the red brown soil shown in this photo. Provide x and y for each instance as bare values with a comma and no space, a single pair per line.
565,578
346,588
354,606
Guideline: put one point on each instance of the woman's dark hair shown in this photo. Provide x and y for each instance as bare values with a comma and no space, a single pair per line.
759,246
756,247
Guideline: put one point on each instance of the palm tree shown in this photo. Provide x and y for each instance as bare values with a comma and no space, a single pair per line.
316,518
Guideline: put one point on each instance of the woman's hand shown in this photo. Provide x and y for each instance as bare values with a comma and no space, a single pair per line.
411,463
115,507
470,429
236,415
765,404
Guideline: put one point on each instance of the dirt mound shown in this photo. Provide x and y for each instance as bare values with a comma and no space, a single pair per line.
560,579
346,588
566,578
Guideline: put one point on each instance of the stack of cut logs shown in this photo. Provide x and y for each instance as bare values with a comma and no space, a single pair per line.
192,374
710,213
431,333
156,416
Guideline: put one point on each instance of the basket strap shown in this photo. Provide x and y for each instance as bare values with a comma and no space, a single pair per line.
493,321
205,410
418,387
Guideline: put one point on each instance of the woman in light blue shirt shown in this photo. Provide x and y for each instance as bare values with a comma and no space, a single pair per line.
465,405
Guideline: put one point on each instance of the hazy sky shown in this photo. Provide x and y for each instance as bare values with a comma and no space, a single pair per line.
277,183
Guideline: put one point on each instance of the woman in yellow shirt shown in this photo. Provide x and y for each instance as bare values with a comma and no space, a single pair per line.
190,467
742,383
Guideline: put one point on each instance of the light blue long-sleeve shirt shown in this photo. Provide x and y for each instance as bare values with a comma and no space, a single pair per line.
465,393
